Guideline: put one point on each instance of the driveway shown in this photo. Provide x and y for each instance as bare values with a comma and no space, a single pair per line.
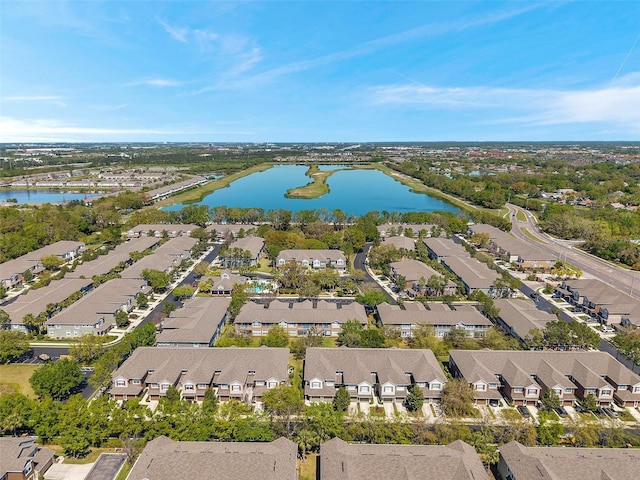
107,466
66,471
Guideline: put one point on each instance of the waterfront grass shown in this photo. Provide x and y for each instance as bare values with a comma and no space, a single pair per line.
314,189
197,194
14,378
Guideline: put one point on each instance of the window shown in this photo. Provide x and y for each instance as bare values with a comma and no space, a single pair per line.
153,385
532,391
330,383
364,388
235,388
518,390
120,383
202,386
568,390
436,386
636,389
316,384
164,387
481,387
189,387
273,384
388,389
605,392
135,381
558,391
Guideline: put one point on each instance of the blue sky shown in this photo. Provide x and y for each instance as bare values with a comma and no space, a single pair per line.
319,71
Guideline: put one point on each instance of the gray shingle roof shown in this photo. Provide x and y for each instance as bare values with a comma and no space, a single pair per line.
522,315
340,460
164,459
357,364
393,315
301,312
196,322
558,463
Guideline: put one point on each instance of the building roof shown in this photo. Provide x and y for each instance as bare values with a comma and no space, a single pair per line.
444,247
21,264
35,301
225,281
165,459
307,311
472,272
299,255
586,367
251,244
340,460
512,245
384,229
401,242
196,322
171,228
202,365
357,364
17,452
394,315
104,263
414,270
107,299
603,294
555,463
522,315
167,255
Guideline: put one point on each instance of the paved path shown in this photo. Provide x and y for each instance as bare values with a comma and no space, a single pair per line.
107,466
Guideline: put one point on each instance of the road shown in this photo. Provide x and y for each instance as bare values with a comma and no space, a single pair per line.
619,278
359,264
156,316
615,276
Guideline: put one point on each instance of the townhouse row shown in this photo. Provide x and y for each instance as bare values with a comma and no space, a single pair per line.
518,377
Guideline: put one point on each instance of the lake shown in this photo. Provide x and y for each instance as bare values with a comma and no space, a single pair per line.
42,196
353,191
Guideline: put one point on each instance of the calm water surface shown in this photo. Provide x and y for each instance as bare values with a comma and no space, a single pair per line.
42,196
353,191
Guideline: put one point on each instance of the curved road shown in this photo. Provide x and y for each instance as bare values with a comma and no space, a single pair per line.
619,278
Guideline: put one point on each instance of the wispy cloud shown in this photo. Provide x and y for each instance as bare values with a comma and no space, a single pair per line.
51,99
202,38
370,47
177,33
156,82
614,105
45,130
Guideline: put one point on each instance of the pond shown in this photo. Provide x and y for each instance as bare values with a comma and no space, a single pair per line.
356,191
43,196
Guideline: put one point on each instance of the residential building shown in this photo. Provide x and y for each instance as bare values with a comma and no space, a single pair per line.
509,248
243,374
385,373
440,316
518,317
401,243
340,460
315,259
229,231
158,230
474,275
165,258
389,230
12,272
523,377
197,324
244,251
518,462
298,318
223,284
601,301
441,248
166,459
95,312
417,274
23,459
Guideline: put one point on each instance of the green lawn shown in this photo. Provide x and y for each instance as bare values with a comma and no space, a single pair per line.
307,468
511,414
521,216
14,378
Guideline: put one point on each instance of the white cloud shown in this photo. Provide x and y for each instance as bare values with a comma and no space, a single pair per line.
615,105
178,34
53,99
157,82
49,130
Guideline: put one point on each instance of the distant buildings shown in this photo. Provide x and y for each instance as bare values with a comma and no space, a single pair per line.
315,259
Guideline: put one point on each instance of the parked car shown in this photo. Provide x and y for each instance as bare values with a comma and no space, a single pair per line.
608,329
524,411
610,412
561,411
